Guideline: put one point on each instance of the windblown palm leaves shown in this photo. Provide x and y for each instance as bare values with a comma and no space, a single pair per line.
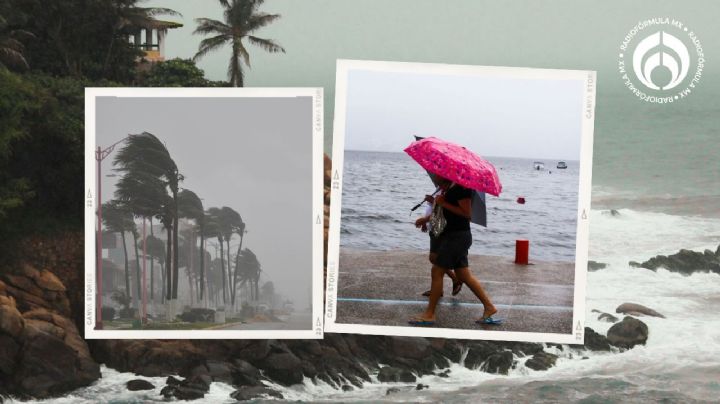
150,186
242,18
250,271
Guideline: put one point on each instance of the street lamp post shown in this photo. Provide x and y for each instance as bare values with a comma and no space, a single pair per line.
100,155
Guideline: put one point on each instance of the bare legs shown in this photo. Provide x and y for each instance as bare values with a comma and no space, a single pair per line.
473,283
464,275
449,272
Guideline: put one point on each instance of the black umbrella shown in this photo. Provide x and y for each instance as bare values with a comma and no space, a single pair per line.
479,208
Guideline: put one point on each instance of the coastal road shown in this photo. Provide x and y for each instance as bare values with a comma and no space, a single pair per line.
385,287
296,321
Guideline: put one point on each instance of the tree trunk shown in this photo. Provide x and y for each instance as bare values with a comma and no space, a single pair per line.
231,285
222,269
237,267
168,265
162,282
136,296
176,252
127,269
152,268
202,263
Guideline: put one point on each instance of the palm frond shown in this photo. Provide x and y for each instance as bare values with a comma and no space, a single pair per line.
210,26
209,44
257,21
267,44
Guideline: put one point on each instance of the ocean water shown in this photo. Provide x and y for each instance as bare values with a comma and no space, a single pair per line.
380,188
658,167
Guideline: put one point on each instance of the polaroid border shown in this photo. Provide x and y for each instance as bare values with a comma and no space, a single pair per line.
90,303
581,247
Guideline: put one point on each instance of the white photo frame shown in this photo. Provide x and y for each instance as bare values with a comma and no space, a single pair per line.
334,282
314,228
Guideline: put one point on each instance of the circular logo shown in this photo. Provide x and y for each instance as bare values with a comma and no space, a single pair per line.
661,60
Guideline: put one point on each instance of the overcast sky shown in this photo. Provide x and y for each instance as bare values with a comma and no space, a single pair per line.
530,118
251,154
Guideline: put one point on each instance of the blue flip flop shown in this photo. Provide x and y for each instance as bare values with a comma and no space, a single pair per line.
419,322
489,321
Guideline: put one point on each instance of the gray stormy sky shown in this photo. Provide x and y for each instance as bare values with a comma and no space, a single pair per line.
251,154
530,118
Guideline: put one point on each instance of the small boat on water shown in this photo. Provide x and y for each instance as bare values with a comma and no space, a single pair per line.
561,165
539,165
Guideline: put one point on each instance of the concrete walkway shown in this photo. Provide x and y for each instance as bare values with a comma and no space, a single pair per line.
385,287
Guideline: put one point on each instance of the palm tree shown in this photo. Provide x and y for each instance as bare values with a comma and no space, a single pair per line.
229,221
117,219
242,18
149,174
250,268
190,207
214,223
240,230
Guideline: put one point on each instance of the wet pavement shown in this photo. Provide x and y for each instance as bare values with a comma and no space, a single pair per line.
385,287
296,321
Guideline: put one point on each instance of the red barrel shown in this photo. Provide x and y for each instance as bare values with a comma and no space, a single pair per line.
522,250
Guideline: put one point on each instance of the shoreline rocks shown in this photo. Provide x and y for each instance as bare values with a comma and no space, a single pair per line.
684,261
628,333
635,309
42,353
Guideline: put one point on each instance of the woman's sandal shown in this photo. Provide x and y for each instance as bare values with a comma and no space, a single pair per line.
427,294
457,287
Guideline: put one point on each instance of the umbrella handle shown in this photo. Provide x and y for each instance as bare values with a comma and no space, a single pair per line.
420,204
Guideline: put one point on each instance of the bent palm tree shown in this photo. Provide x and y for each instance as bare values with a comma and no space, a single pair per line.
190,207
151,173
242,18
117,219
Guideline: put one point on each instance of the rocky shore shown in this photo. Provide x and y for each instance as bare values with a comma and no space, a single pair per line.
43,354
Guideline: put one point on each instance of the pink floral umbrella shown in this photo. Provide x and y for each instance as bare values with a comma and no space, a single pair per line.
455,163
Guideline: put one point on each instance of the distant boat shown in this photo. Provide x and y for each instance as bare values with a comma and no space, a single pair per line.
539,165
561,165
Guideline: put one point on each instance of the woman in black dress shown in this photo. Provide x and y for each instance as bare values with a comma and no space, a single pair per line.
452,251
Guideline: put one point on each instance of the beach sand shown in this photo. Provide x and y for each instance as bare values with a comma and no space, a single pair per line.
385,287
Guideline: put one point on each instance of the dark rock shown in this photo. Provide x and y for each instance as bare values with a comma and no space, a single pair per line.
392,390
192,388
499,363
9,350
347,387
596,266
244,374
685,262
607,317
389,374
139,384
445,373
628,333
247,393
478,353
595,341
421,386
284,368
410,347
637,310
541,361
220,371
